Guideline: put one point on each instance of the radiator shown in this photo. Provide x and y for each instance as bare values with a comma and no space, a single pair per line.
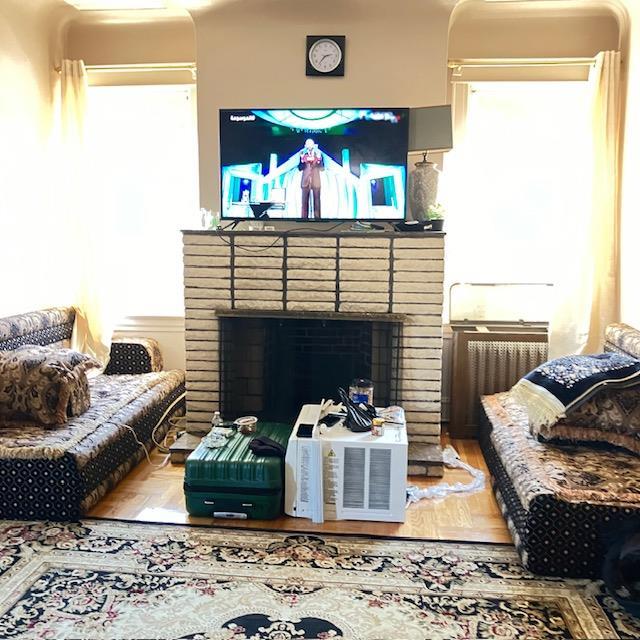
488,361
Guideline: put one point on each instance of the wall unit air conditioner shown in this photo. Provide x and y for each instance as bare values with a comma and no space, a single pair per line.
490,356
340,475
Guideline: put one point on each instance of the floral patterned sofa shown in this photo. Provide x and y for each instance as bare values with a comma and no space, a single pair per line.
59,473
562,501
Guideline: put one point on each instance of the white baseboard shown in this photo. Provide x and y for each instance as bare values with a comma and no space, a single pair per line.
157,324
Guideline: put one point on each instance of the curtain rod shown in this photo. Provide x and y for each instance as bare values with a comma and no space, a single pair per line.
140,68
519,62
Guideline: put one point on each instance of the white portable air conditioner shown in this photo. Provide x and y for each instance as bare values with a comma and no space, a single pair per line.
337,474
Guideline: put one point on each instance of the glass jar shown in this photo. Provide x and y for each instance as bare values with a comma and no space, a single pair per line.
361,390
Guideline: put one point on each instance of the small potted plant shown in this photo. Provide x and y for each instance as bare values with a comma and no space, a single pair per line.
435,215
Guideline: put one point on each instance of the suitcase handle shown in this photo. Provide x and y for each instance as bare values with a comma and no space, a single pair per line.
244,504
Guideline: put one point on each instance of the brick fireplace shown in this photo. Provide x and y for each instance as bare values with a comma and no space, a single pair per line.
272,363
384,277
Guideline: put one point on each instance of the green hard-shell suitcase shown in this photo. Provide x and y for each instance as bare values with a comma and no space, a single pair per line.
232,480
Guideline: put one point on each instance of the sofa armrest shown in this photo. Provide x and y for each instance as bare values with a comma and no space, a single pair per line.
623,339
134,355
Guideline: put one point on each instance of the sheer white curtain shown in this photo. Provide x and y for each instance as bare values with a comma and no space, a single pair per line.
514,188
588,296
92,333
143,143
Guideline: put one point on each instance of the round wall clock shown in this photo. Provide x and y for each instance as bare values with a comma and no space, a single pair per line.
325,55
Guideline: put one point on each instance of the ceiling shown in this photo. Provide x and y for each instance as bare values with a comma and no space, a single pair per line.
117,11
181,5
116,5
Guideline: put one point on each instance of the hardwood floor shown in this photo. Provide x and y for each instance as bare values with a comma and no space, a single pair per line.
149,494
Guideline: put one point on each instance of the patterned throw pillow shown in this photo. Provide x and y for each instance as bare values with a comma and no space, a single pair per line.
47,384
561,385
611,416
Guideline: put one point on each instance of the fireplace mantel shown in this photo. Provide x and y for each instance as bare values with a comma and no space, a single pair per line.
384,276
312,315
314,233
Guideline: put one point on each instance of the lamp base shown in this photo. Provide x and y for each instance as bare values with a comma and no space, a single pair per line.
424,188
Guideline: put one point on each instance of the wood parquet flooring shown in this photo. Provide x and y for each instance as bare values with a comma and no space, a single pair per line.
148,494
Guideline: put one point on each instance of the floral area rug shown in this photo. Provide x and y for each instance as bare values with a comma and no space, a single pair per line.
104,579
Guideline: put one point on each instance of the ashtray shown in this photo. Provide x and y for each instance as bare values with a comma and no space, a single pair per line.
247,425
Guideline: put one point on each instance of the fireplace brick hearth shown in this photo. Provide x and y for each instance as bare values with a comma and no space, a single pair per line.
339,274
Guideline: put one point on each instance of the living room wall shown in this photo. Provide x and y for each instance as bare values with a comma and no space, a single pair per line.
253,55
630,222
29,43
109,38
494,30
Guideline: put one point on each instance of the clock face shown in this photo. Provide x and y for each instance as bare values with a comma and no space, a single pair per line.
325,55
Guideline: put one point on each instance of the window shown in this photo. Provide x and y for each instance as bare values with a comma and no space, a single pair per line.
516,185
142,141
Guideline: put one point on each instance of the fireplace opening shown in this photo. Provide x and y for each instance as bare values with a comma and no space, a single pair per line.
270,366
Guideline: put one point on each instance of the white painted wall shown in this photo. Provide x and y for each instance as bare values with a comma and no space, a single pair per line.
396,55
630,217
35,257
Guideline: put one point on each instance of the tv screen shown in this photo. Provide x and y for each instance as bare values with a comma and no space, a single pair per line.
314,164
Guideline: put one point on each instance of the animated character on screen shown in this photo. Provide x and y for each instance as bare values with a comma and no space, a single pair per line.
311,164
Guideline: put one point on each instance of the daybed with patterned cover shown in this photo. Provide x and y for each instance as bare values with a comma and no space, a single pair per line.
59,473
562,501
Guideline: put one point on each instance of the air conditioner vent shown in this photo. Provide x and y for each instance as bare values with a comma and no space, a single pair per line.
353,478
379,478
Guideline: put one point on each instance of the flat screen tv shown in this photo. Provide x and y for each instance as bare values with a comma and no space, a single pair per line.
314,164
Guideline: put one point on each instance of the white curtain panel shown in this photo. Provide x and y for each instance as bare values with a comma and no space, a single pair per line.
588,296
94,324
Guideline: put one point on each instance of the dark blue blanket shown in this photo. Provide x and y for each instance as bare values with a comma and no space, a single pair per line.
565,383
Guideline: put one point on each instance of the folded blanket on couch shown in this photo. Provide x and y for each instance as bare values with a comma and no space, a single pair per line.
549,391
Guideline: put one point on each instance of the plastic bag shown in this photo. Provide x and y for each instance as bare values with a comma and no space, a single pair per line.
452,460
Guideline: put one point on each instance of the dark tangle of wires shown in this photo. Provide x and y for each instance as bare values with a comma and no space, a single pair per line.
220,230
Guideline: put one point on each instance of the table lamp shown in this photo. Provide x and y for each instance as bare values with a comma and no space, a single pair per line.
429,130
